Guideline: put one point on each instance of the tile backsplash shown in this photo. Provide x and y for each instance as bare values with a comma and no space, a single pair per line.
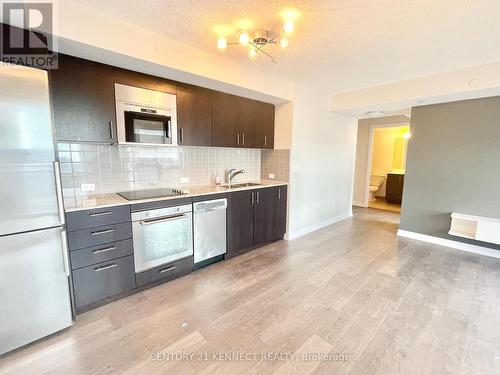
275,162
114,168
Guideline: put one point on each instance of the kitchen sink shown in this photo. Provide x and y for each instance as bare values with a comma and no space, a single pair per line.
241,185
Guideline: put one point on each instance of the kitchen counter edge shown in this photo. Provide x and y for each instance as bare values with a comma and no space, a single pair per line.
113,199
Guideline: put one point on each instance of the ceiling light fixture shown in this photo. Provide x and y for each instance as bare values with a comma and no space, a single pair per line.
221,43
244,38
375,114
284,43
288,27
259,39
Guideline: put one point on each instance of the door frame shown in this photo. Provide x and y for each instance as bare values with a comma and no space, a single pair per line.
366,195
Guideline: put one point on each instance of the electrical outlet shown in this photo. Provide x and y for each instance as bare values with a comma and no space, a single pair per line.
87,187
184,180
271,176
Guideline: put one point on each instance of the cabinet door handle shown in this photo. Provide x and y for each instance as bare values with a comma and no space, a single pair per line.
258,197
100,213
106,267
243,139
97,251
265,141
111,132
182,135
238,139
106,231
168,268
253,198
279,194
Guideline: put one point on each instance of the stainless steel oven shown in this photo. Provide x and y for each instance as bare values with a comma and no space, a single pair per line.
145,117
162,236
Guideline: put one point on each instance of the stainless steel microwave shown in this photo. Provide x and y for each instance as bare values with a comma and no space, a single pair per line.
145,116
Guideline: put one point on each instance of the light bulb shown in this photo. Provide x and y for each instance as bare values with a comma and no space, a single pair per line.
244,38
221,43
407,135
252,53
288,27
284,43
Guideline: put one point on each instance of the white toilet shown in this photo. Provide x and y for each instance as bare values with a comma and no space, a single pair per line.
376,182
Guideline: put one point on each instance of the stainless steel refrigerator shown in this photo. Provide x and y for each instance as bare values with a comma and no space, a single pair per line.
34,275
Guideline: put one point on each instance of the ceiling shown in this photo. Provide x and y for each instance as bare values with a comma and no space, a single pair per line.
340,44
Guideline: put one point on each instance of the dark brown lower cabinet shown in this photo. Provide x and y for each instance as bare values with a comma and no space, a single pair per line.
255,217
240,222
394,188
266,216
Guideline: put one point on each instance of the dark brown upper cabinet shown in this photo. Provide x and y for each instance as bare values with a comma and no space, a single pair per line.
84,108
83,101
194,116
225,120
241,122
267,117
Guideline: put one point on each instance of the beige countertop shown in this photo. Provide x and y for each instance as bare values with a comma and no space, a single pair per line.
112,199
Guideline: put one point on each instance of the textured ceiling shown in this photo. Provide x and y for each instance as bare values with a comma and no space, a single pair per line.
343,44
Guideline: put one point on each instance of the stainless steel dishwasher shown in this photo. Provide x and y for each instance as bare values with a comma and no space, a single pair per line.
209,229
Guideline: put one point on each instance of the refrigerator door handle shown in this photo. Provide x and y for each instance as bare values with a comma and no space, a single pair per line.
64,244
60,202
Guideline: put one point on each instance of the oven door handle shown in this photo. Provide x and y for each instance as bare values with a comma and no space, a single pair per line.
163,219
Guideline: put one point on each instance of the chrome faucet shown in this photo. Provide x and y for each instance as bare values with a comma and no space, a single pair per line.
232,173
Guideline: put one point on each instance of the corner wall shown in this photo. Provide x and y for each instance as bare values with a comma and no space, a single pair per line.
322,163
452,166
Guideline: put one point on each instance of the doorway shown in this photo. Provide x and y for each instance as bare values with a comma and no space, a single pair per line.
386,166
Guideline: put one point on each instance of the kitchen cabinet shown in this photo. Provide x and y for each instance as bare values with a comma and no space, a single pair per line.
283,201
241,122
225,116
103,280
101,254
394,188
255,217
240,221
84,108
194,116
83,100
266,216
250,124
267,118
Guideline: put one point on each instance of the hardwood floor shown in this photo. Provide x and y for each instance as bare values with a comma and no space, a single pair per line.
390,305
381,204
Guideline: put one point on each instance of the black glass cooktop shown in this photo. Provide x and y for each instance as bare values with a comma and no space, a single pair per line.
150,193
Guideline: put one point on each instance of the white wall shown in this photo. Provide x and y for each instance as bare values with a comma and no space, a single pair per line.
322,163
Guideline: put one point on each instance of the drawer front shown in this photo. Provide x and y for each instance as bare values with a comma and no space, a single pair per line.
103,280
93,255
81,239
166,272
97,218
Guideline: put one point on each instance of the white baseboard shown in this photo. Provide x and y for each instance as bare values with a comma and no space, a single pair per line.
317,226
359,204
450,243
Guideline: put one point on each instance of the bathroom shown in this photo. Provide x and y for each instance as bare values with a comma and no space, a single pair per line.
387,167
